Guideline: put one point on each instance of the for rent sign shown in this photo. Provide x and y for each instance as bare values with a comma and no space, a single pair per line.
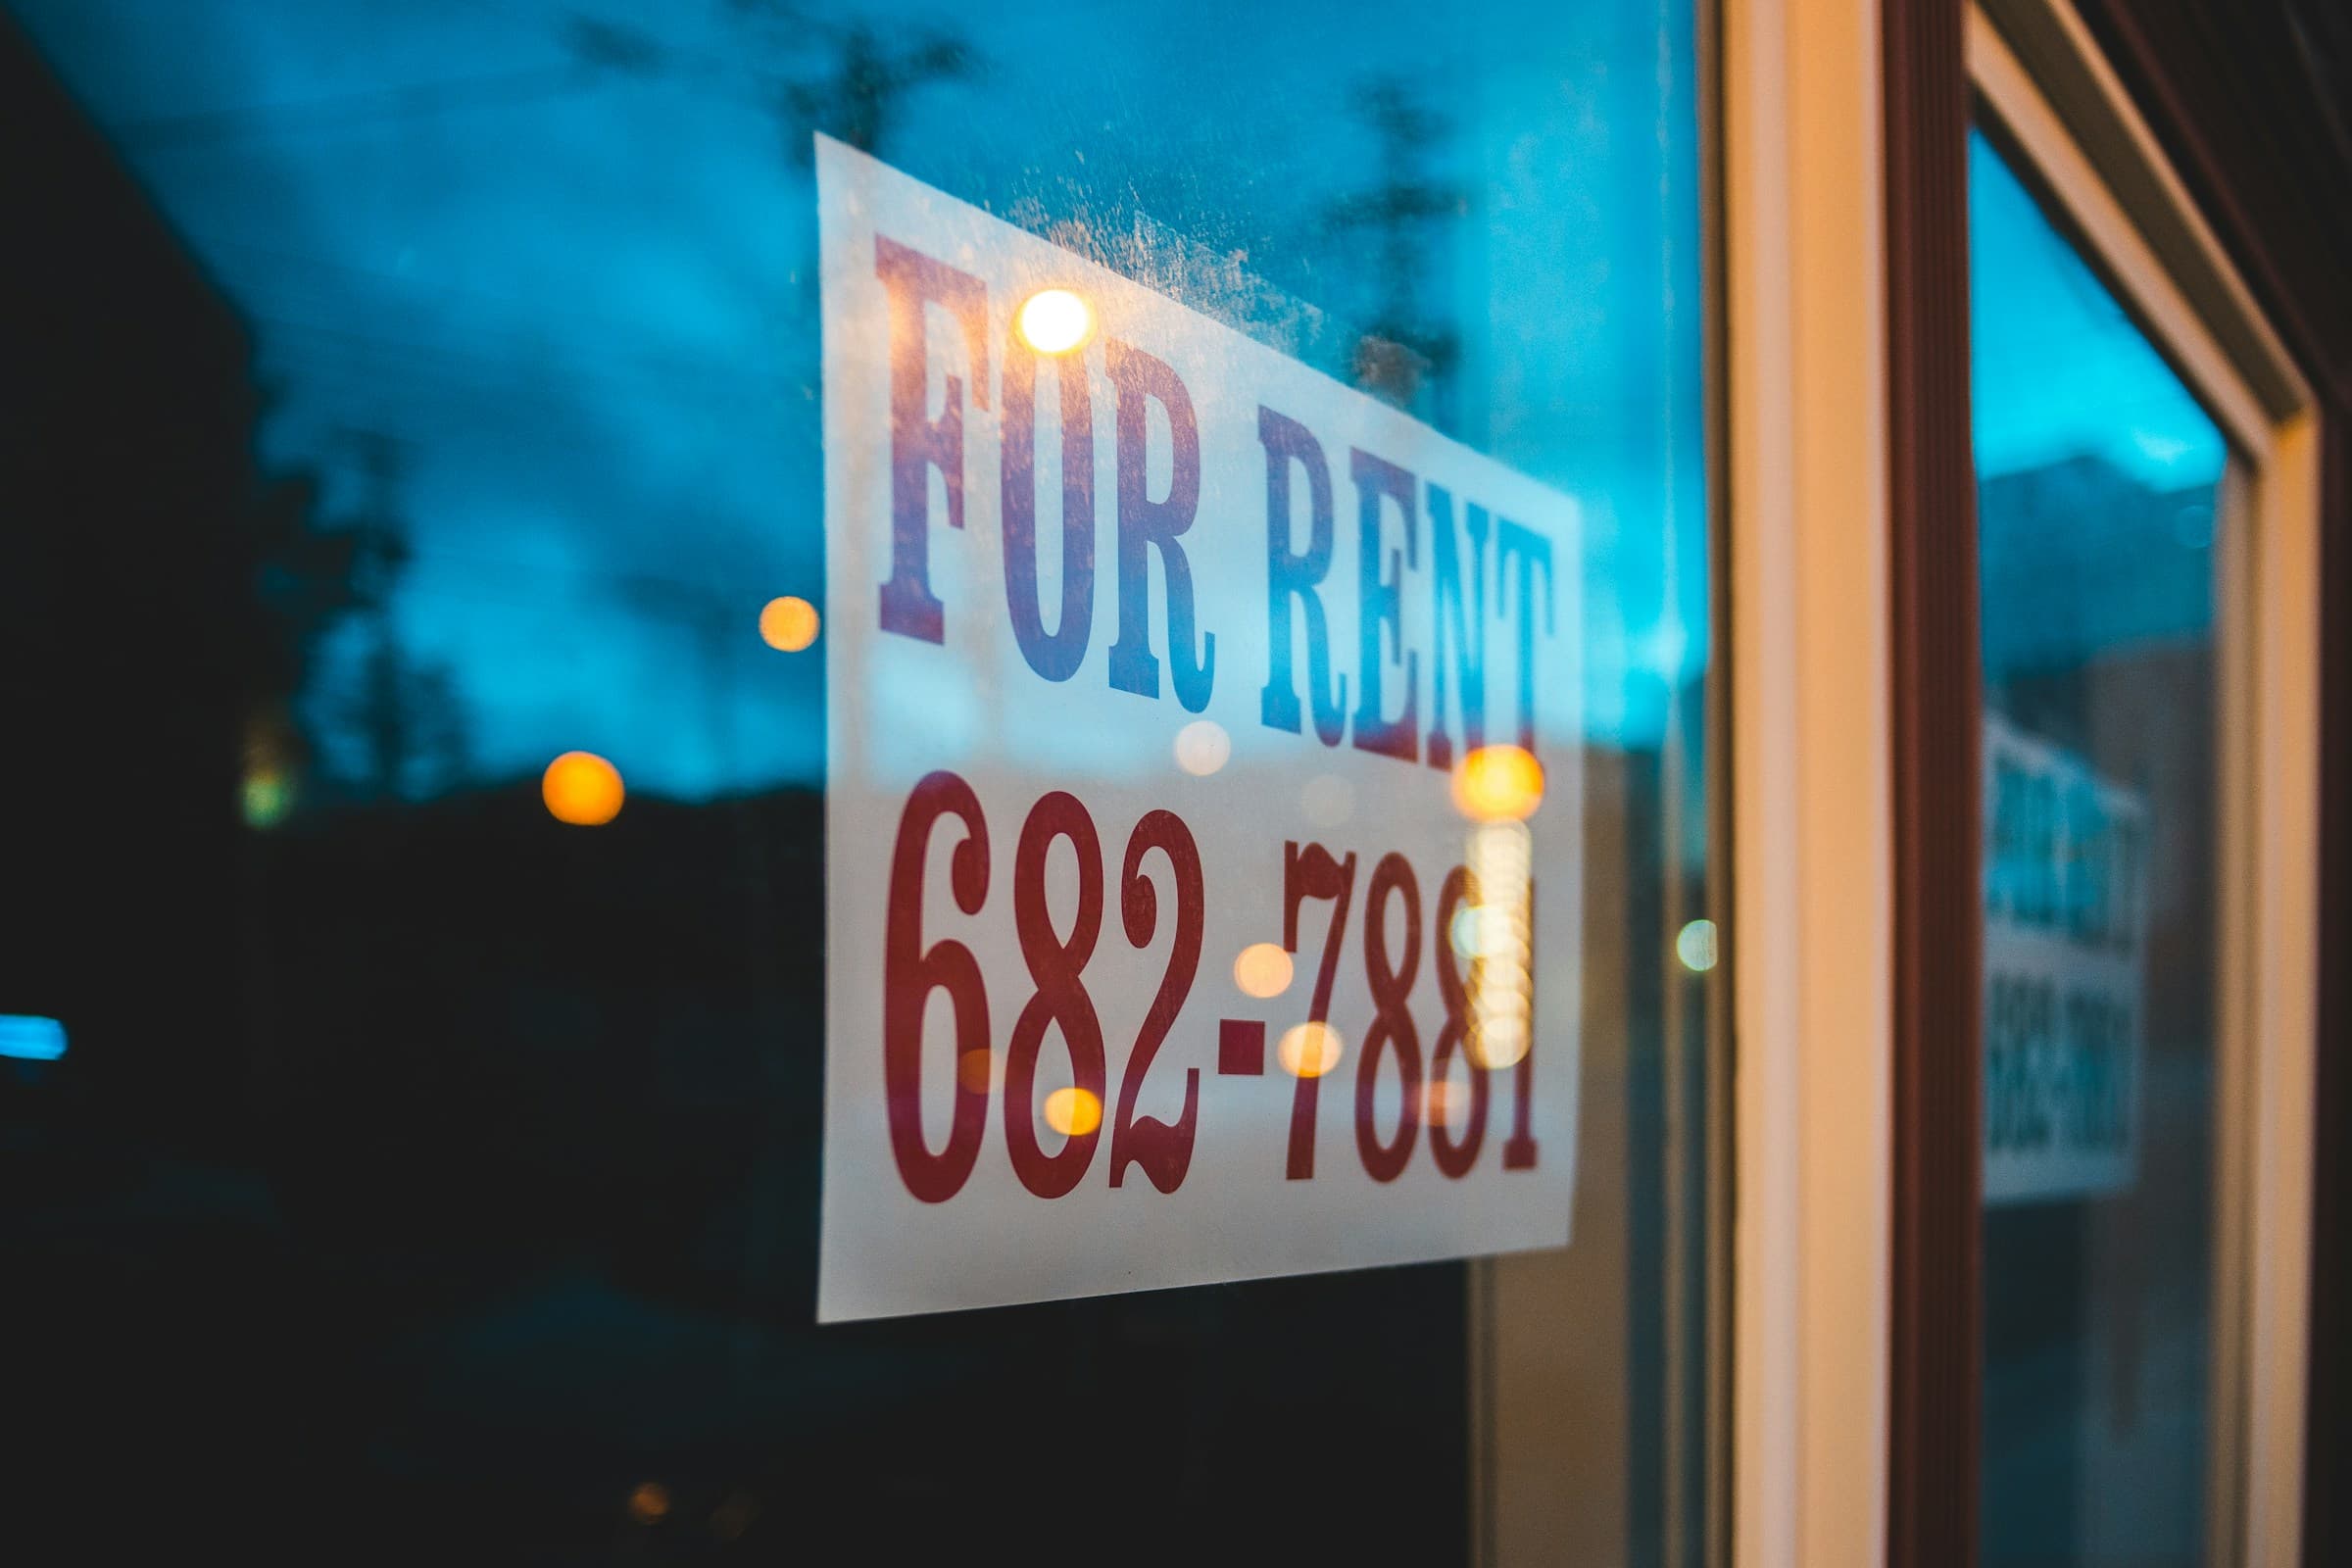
2066,916
1170,940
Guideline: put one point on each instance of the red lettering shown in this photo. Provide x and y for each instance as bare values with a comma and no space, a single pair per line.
1060,998
1312,873
910,973
1454,1157
1392,1021
1164,1151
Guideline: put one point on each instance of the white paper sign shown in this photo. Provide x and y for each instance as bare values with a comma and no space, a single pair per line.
1149,662
2066,914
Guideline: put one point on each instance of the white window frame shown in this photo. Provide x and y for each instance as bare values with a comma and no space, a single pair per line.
1811,950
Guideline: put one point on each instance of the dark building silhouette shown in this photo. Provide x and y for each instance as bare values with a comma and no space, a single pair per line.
127,460
2079,558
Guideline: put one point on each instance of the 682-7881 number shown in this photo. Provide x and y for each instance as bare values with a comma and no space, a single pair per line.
1057,965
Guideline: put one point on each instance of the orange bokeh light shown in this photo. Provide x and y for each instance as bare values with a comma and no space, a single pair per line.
1309,1050
1073,1112
788,625
1498,784
1263,969
583,788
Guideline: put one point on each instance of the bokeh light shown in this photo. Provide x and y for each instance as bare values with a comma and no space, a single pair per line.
30,1037
977,1070
1073,1112
1695,945
1202,747
583,788
268,797
650,1503
1501,855
788,625
1500,1038
1263,969
1479,931
1309,1050
1056,320
1498,784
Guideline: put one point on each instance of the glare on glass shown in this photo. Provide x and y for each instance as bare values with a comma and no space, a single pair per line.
1056,320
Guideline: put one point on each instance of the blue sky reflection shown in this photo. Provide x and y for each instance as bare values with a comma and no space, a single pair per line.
2059,370
563,265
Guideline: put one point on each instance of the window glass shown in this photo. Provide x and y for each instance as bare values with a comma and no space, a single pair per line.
2100,484
413,964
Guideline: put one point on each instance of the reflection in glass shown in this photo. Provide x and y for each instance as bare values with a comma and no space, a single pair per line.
2098,494
431,410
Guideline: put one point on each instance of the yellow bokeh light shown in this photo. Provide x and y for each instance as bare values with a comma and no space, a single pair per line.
1498,784
1498,1042
1499,856
1056,320
1263,969
649,1503
1309,1050
788,625
1202,746
582,788
1073,1112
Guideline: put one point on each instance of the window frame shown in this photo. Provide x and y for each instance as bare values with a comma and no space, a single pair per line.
2039,74
1811,954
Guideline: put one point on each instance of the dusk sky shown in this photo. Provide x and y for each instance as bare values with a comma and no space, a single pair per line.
564,264
2059,368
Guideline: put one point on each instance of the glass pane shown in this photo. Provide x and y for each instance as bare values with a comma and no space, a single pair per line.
414,953
2099,485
